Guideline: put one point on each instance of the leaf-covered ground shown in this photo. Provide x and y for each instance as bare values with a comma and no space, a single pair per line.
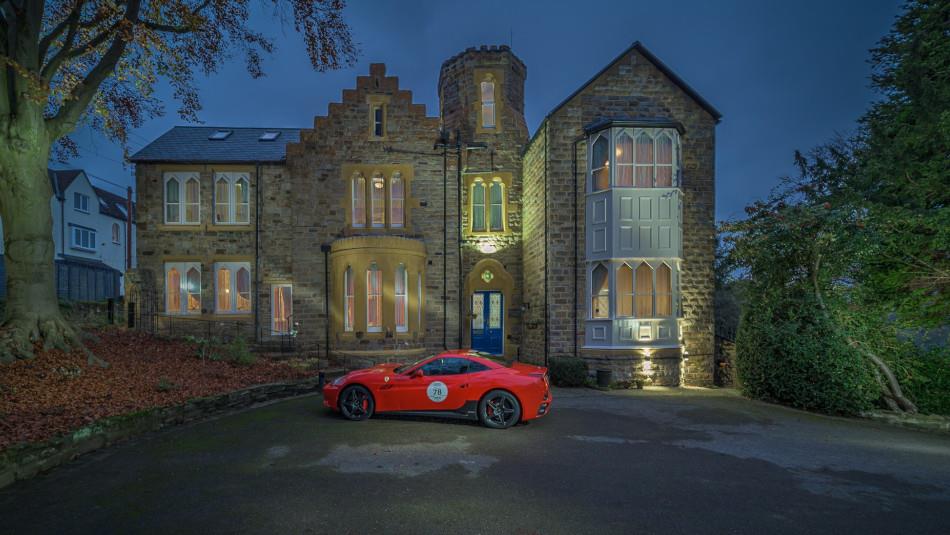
57,392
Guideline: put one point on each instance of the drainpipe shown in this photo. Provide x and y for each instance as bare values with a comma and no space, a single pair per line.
546,237
458,199
445,244
128,229
326,300
574,170
257,252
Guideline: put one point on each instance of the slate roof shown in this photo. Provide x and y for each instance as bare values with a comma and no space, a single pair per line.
113,205
62,178
190,144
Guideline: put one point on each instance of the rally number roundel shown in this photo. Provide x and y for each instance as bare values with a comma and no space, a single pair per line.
437,391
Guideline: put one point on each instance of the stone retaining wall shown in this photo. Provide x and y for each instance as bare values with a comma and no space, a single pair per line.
26,460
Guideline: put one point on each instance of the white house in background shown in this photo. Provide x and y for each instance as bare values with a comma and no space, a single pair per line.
90,234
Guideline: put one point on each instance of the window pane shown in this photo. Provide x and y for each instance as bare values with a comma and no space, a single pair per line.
282,306
664,176
624,159
419,301
494,310
644,149
374,299
664,162
600,292
397,201
223,290
359,201
243,290
191,201
497,207
115,232
378,121
173,291
478,311
402,301
378,201
644,291
625,291
488,104
644,176
222,190
193,290
664,291
600,164
242,198
172,209
349,300
478,207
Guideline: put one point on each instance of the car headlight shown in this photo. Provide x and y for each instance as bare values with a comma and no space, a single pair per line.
338,381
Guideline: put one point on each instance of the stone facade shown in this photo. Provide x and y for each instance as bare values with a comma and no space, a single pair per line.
308,209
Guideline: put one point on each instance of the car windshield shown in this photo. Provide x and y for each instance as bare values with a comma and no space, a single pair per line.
405,367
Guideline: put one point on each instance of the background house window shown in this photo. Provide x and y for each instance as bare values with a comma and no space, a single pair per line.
349,300
488,103
183,288
281,308
600,292
81,202
478,206
377,201
115,233
359,201
644,291
374,299
625,292
378,118
600,164
397,201
402,299
497,207
231,198
84,238
232,287
182,198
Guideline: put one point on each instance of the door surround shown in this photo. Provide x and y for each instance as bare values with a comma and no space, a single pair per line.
498,280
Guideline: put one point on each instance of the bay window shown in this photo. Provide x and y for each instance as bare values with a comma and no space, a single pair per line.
183,288
640,157
232,287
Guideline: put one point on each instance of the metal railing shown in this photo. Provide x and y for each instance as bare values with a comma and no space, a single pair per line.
220,330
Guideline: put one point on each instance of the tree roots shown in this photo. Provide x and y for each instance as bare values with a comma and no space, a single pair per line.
19,336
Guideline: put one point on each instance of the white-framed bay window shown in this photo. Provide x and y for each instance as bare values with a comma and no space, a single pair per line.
232,198
232,287
183,288
633,157
281,308
182,198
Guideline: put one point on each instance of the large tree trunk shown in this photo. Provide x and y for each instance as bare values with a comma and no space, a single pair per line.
32,309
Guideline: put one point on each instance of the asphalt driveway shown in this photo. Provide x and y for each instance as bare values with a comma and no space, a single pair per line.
683,461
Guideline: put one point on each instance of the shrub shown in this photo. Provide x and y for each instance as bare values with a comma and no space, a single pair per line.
567,371
787,352
239,354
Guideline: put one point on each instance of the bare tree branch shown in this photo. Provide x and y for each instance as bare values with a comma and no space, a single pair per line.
54,63
71,21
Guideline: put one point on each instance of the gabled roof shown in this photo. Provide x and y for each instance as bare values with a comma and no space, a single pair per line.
191,144
61,179
113,205
638,46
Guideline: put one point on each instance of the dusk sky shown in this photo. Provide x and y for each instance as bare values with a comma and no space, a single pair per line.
785,75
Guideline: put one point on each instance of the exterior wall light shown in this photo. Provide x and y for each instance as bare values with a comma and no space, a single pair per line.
487,248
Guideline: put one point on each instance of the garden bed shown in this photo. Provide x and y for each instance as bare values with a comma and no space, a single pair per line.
57,392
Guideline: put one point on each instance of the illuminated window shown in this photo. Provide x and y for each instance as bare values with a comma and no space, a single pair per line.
488,205
349,300
488,103
497,207
664,161
232,198
644,161
600,164
358,195
374,299
397,201
402,299
664,291
624,161
600,292
281,308
183,288
478,206
644,286
625,293
182,199
232,287
377,201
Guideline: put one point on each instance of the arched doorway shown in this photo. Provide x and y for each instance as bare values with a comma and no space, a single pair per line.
488,288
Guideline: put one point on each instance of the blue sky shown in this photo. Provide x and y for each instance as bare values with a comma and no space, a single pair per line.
785,75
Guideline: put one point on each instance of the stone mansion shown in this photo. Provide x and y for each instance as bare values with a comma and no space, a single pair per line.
388,234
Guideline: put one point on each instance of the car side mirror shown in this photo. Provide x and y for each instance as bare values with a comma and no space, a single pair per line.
417,373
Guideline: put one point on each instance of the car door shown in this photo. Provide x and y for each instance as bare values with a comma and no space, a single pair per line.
439,388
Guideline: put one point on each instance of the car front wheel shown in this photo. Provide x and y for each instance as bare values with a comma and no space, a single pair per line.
356,403
499,410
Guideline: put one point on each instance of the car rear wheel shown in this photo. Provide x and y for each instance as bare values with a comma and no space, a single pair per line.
499,410
356,403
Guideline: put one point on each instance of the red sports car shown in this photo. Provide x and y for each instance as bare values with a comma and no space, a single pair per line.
455,383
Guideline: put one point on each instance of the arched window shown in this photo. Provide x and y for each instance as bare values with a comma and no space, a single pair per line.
359,201
488,103
664,161
115,233
243,297
497,207
223,301
173,291
192,200
644,285
644,161
600,292
232,282
374,299
182,288
377,201
222,200
625,291
600,164
349,300
402,299
478,206
193,290
397,201
172,201
664,291
624,161
242,201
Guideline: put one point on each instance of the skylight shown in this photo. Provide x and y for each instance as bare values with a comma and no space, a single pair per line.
268,136
219,134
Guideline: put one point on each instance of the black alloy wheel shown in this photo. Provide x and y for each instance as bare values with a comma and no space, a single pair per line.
356,403
499,410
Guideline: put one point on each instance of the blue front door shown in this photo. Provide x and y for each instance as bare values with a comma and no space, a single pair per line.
488,329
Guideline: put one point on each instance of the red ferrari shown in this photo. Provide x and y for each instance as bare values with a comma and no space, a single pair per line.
455,383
